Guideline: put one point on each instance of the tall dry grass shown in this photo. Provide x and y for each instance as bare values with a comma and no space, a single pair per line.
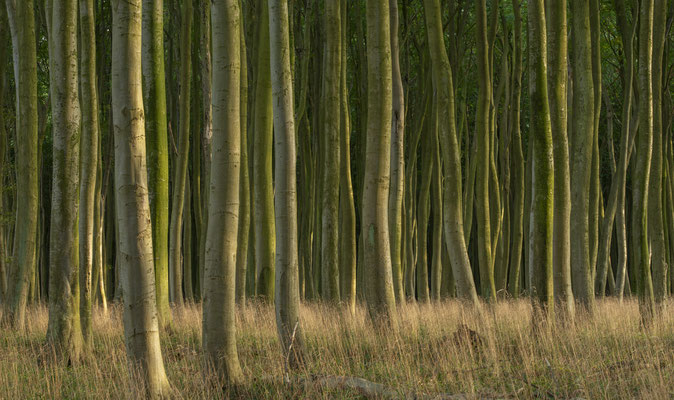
608,356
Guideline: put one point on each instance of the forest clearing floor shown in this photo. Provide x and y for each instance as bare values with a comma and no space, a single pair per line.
605,357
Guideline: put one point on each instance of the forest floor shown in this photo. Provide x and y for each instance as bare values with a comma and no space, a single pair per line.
608,356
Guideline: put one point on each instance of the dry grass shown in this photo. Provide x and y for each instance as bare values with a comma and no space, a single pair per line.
608,356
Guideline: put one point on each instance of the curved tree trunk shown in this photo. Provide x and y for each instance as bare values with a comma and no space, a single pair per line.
178,203
452,212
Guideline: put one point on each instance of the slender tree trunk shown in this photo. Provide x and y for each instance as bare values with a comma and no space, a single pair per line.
4,34
348,214
64,328
206,124
378,275
263,201
423,209
154,97
483,136
177,205
640,191
397,157
287,273
132,204
558,61
22,27
244,190
452,209
541,286
656,228
88,165
517,160
330,174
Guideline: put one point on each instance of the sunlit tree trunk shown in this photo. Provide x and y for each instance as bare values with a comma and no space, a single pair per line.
558,71
64,328
132,204
154,97
378,275
4,35
219,328
88,165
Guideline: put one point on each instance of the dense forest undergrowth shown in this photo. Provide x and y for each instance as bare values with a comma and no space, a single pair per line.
608,356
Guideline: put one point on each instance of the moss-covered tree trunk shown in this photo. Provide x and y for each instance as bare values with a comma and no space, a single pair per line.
263,201
581,154
154,98
642,171
64,329
21,18
541,286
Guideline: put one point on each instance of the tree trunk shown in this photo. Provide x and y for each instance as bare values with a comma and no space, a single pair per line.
263,201
88,166
348,214
541,286
558,62
581,154
154,97
642,172
177,205
395,201
452,209
22,27
287,273
330,174
64,328
378,275
132,204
